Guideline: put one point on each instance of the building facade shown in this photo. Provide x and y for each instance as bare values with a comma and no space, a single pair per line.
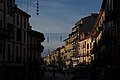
68,53
81,29
14,41
85,47
6,36
112,30
35,61
106,42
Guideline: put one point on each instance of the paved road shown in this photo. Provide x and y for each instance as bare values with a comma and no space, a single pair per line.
58,76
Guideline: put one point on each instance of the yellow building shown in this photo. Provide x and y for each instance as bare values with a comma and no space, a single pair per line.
68,54
85,47
47,59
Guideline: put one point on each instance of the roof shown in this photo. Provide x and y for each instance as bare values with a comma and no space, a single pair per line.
21,11
86,24
38,34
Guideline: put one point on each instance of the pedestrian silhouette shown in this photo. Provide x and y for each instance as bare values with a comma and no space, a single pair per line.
64,73
68,73
53,73
73,78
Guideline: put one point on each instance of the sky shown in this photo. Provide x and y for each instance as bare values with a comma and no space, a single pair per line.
57,16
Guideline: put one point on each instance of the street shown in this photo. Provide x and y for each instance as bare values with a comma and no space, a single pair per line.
57,76
60,76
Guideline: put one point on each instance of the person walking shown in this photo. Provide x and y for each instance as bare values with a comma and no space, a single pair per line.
53,73
68,73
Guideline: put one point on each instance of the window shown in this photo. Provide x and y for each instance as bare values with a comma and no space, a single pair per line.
1,1
18,36
17,51
0,23
53,57
88,46
9,50
50,57
24,51
18,58
0,48
9,6
17,19
84,46
10,28
21,23
65,57
87,53
24,37
24,23
91,51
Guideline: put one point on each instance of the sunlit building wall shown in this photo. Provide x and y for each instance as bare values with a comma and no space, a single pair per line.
97,36
68,51
47,59
84,25
85,47
54,58
62,51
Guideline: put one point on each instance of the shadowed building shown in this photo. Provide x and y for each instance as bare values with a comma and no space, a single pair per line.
106,41
7,8
14,41
35,49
